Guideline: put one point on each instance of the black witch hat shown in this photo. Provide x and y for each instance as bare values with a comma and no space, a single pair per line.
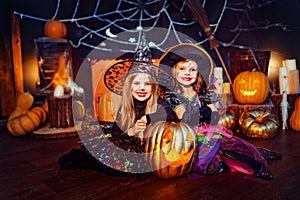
189,51
115,76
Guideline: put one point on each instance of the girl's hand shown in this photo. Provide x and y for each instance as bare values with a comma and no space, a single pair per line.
212,107
139,127
179,110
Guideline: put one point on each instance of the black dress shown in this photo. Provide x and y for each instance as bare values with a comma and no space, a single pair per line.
164,113
197,112
117,152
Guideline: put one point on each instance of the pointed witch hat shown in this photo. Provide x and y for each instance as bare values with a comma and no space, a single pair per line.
115,75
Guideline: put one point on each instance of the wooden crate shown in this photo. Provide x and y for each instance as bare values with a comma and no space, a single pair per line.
238,109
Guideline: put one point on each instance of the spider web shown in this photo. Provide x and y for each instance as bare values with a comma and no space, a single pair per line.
119,26
97,24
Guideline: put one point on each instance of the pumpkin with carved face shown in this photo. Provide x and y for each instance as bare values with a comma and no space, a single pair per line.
251,87
170,149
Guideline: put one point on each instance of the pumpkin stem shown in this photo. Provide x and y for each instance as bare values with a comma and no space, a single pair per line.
259,119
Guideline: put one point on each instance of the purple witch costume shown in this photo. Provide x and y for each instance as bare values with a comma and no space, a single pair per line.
218,149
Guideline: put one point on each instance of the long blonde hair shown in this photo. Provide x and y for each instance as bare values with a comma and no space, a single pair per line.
126,115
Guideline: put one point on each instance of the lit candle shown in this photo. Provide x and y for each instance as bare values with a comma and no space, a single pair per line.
293,81
219,86
218,73
283,80
226,88
290,63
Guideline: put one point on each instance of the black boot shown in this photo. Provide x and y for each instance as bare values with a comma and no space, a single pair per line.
268,154
264,173
79,159
260,169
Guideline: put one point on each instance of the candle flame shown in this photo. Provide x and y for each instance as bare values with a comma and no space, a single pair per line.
60,77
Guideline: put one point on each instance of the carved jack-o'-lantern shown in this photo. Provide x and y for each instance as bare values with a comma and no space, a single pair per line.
259,123
170,148
251,87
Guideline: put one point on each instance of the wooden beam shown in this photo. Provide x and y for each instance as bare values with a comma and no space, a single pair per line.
17,54
7,91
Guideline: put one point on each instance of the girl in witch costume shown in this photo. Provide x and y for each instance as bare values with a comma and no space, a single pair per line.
140,106
120,148
194,104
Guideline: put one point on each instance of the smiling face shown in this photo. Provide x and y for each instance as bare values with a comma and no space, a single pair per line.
186,72
141,88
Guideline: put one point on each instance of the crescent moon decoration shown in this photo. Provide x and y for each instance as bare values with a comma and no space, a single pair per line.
109,33
126,15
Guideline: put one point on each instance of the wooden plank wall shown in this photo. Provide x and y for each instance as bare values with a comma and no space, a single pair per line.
11,68
17,54
7,92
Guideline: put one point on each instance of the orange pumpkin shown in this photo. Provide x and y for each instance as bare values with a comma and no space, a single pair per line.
295,117
251,87
26,122
55,29
170,149
23,119
23,103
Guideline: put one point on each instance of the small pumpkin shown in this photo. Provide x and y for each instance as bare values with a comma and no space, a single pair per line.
55,29
26,122
23,103
259,123
251,87
229,120
78,110
295,117
170,149
23,119
108,106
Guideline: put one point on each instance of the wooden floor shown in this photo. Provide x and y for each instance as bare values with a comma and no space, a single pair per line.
29,170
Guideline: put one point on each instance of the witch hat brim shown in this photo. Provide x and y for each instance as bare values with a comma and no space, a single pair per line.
190,51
